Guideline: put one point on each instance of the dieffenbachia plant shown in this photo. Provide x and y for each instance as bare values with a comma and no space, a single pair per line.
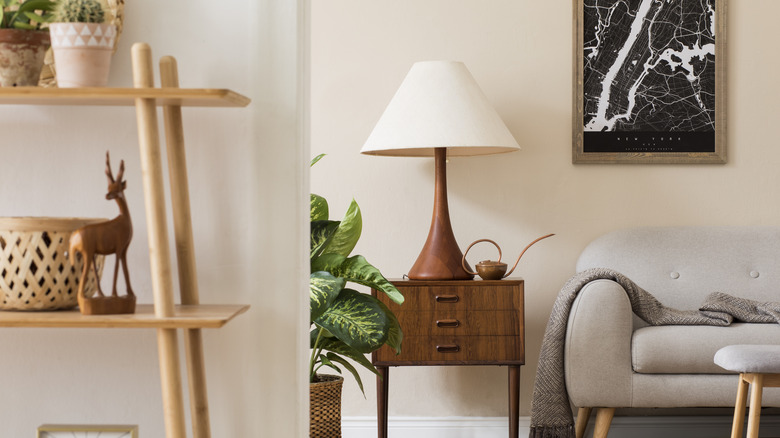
346,324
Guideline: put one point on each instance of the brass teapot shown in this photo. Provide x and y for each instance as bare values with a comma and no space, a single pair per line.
490,270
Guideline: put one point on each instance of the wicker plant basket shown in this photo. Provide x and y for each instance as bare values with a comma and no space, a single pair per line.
325,407
35,273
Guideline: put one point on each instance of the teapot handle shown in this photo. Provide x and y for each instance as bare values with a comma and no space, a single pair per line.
463,260
524,250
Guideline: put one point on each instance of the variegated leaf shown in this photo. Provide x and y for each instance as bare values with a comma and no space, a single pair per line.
394,335
321,233
358,270
356,319
348,232
318,208
323,290
336,346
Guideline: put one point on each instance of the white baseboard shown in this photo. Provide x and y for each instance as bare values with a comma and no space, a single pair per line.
496,427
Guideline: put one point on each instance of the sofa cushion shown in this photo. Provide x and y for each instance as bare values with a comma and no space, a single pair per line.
691,349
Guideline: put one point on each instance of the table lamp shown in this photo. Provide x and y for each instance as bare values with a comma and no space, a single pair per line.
439,111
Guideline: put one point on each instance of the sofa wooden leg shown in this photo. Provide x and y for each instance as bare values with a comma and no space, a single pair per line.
603,420
583,415
739,408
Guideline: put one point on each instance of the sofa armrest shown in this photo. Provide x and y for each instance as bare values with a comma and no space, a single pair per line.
597,352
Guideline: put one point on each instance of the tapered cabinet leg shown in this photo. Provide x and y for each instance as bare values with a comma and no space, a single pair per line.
381,400
603,421
583,415
514,401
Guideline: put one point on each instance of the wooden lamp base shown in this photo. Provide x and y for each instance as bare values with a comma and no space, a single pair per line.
440,258
107,305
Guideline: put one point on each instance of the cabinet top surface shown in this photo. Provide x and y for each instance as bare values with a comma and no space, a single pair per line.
476,282
185,317
193,97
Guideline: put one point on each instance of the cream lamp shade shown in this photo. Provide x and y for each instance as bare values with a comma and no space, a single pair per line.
439,104
439,110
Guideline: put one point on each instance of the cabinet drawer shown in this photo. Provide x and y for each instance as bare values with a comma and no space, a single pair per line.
459,322
455,349
473,295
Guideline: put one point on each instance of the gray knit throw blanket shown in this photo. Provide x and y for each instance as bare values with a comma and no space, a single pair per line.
551,415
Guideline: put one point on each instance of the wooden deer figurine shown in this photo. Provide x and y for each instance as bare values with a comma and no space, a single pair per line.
109,237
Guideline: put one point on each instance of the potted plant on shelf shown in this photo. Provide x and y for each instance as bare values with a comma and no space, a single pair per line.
23,43
346,324
82,43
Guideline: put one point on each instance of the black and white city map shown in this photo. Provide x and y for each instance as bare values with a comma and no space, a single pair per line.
648,81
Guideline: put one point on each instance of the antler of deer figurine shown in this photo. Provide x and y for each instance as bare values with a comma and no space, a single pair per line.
109,237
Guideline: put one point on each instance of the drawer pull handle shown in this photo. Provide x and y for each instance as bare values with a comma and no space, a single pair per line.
448,323
447,298
448,348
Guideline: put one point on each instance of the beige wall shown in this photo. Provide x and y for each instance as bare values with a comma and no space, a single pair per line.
248,180
520,53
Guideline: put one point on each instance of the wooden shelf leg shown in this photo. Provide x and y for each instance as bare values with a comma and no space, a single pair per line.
185,249
159,253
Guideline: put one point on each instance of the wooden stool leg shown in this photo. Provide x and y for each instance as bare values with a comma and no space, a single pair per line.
583,415
739,408
603,421
756,392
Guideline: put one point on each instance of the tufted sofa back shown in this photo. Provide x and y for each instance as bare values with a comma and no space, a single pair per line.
682,265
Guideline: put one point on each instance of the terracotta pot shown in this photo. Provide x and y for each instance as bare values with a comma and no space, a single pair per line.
82,53
21,56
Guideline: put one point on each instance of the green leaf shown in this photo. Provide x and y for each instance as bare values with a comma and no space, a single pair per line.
394,335
32,16
357,320
315,159
321,234
336,358
323,290
348,233
37,5
336,346
318,208
326,361
358,270
24,26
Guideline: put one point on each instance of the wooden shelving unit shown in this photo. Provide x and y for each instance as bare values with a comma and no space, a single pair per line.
184,317
164,315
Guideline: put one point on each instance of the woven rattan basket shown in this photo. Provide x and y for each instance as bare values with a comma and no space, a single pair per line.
325,406
35,273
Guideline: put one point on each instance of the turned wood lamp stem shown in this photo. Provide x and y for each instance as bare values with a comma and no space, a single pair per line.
440,258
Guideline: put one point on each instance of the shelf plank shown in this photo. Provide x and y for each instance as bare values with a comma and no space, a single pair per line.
185,317
191,97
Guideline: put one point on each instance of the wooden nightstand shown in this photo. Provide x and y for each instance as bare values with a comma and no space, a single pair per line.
464,322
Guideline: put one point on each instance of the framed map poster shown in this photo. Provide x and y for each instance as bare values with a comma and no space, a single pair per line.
649,81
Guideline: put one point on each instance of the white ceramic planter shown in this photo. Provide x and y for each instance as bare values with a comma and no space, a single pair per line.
82,53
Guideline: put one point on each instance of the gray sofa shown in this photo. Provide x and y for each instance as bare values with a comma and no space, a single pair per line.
615,360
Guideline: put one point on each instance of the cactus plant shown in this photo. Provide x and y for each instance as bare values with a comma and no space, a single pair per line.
79,11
